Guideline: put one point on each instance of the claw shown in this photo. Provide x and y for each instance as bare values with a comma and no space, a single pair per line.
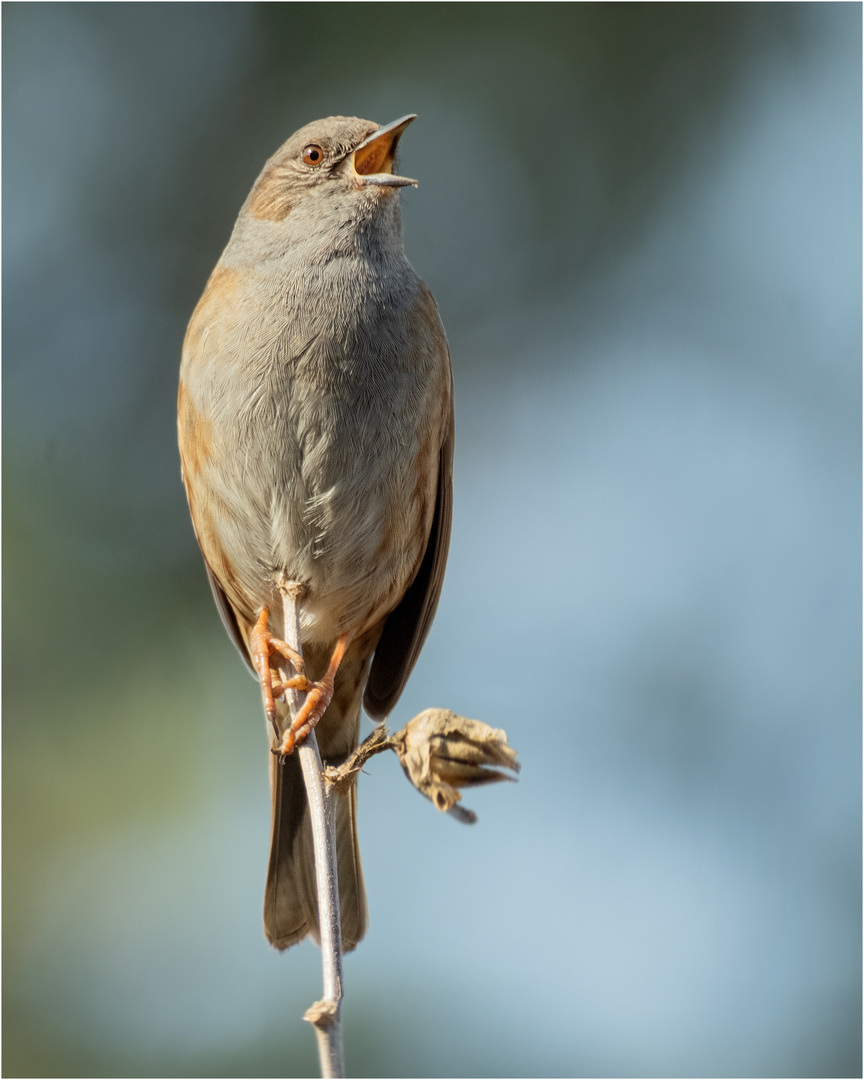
318,697
262,645
290,654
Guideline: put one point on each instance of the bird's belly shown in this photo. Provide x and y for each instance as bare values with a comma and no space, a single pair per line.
356,551
350,528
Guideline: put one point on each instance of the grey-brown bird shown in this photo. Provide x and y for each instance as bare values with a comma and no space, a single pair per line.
315,420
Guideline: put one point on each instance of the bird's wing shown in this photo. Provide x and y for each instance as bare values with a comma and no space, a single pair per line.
408,624
229,619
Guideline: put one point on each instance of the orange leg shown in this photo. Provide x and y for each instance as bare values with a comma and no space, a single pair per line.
262,645
317,699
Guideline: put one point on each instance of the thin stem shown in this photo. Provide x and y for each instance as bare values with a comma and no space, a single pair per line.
325,1015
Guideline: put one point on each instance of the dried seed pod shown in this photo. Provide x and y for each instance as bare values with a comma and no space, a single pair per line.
442,752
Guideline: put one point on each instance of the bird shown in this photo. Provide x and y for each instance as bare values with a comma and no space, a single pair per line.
316,428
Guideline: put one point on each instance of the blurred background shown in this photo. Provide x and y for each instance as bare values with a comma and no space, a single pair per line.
642,224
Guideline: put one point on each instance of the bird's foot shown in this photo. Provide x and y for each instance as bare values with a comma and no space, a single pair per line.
318,697
262,645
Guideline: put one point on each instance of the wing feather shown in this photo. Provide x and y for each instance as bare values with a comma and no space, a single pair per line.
408,624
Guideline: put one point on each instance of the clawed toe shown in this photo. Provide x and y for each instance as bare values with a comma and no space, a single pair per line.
298,683
317,700
262,645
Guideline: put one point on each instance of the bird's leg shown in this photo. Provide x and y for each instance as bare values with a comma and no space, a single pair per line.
262,645
317,699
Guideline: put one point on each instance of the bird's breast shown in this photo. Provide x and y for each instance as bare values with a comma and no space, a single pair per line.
318,456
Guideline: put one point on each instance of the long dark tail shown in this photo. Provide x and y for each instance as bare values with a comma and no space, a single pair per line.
290,899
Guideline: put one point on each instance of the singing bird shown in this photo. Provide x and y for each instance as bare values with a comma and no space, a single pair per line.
315,419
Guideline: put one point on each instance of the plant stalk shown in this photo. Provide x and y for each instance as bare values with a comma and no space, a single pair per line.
324,1015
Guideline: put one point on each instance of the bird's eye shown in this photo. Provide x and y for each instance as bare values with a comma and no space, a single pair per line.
312,155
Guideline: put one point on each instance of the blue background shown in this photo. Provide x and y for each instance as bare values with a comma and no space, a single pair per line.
642,224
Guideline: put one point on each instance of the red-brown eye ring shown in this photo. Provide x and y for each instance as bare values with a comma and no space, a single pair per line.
312,154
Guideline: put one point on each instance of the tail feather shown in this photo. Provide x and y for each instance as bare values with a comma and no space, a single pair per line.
290,898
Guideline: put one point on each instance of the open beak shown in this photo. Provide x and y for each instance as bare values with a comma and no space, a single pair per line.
373,158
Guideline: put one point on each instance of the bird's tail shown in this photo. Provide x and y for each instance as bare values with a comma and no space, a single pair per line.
290,899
